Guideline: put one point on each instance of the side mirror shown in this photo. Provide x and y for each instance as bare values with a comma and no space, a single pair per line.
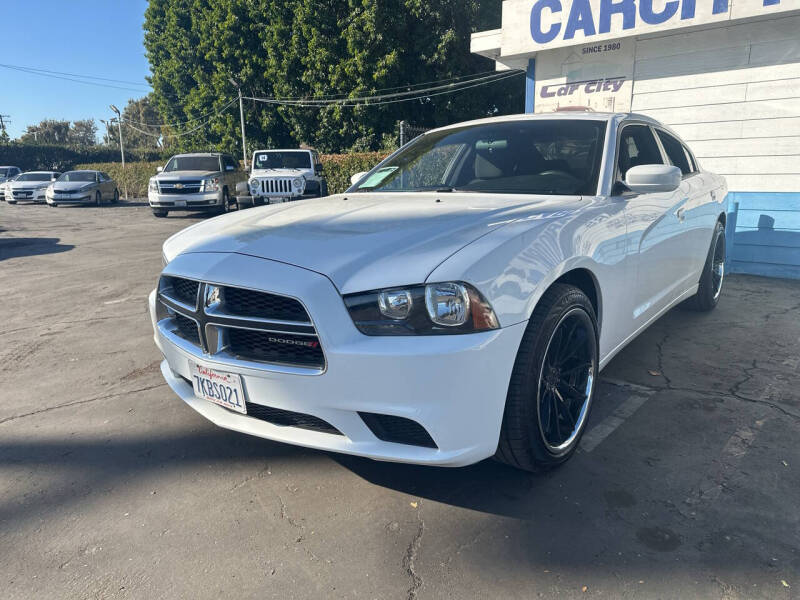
159,169
648,179
357,177
319,169
53,178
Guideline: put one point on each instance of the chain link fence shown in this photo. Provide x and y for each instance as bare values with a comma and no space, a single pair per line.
409,132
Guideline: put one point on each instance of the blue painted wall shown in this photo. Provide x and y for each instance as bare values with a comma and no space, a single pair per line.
764,234
530,86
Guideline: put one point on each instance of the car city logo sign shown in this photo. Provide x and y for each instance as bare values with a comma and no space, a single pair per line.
592,86
178,186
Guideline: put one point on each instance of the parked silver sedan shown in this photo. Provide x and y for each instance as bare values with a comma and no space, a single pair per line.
82,187
29,187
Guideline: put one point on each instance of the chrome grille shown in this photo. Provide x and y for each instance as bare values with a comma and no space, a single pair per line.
180,187
277,186
239,324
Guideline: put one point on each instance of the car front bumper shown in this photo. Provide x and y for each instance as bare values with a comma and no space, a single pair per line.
203,201
82,198
453,386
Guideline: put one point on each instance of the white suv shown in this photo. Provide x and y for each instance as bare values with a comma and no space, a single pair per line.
283,176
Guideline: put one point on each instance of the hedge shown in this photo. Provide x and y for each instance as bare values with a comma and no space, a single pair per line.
338,170
33,157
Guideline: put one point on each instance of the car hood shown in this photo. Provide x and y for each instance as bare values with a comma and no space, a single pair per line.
72,185
187,175
363,241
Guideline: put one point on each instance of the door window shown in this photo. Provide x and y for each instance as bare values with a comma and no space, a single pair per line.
676,153
637,146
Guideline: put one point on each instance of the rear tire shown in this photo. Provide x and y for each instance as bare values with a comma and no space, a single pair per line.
713,277
11,201
160,213
54,205
323,189
115,199
552,384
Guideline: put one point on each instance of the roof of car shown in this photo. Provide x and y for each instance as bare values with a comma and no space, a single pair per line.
80,171
37,172
565,115
208,154
285,150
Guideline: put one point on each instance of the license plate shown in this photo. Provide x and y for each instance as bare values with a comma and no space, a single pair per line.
180,202
218,387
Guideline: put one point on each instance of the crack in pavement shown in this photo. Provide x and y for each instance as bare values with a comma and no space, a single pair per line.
410,558
79,402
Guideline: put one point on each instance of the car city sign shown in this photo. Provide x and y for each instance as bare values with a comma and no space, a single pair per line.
609,85
534,25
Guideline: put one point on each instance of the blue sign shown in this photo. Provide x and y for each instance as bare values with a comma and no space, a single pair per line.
581,17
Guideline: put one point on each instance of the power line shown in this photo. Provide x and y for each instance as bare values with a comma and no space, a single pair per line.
162,125
391,98
408,87
104,85
47,71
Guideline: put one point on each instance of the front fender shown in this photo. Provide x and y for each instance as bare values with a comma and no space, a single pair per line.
514,265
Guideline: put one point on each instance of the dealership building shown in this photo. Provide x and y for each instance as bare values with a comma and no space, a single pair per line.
724,74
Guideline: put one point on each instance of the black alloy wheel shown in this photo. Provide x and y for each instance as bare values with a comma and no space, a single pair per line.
553,382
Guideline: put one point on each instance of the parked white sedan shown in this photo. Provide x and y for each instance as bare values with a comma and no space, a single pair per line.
30,186
458,302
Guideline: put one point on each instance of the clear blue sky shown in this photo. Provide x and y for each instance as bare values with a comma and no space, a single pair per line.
101,38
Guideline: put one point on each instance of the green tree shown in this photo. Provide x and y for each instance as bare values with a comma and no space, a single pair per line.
138,117
83,133
315,49
49,131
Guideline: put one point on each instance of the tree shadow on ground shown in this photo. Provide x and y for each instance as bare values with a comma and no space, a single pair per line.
18,247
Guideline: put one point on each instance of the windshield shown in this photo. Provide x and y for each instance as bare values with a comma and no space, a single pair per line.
283,160
72,176
192,163
557,157
34,177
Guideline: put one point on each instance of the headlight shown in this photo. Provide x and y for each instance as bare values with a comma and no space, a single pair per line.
434,309
211,185
153,186
298,183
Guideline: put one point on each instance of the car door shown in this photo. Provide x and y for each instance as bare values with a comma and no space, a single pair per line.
656,233
698,214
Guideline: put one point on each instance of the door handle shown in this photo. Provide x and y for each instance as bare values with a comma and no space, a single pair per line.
681,214
713,195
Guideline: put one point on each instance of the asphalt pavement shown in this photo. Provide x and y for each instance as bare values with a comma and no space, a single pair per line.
686,484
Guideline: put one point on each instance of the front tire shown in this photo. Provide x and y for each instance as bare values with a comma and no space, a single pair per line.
98,199
323,189
160,213
553,382
710,290
115,199
11,201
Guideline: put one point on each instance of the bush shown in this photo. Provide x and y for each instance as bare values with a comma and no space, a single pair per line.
33,157
340,167
133,179
338,170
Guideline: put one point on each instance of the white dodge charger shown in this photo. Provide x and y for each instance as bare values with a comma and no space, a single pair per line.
457,302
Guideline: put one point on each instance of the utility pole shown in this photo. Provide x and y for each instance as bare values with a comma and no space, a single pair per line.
3,121
402,133
241,116
121,145
108,133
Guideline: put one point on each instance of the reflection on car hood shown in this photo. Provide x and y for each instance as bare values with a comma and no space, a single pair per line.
186,175
364,241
